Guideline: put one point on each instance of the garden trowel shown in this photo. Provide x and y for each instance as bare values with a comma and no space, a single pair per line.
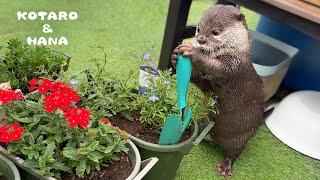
175,125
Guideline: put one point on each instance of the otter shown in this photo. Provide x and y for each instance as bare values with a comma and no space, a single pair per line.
221,64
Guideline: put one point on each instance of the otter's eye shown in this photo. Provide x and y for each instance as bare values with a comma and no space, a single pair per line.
198,30
215,32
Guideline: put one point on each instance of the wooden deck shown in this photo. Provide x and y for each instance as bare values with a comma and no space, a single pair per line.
299,7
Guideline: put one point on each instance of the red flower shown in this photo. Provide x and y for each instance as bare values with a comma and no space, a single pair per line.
57,86
78,116
7,96
69,94
106,121
55,100
51,102
45,85
11,132
61,97
18,95
33,84
3,129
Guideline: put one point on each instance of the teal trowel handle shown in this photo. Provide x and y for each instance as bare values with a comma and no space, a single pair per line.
183,74
175,125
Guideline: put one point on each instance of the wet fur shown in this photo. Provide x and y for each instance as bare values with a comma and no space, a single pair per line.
228,72
222,65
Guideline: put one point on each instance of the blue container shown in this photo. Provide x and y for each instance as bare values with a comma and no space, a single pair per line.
304,72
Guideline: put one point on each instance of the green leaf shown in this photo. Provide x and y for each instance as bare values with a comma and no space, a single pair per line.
23,114
58,138
28,137
33,154
81,168
97,166
91,96
93,145
35,121
108,149
90,148
105,129
95,156
70,153
61,166
49,151
45,129
23,120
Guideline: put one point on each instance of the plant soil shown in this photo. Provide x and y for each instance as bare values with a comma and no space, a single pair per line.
118,170
147,133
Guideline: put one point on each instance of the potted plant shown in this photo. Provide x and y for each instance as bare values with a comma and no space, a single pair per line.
50,134
142,116
8,169
20,63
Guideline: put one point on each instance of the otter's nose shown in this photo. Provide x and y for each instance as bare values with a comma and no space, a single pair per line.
201,39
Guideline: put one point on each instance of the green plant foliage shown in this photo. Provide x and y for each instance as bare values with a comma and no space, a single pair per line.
50,145
109,95
106,94
164,88
21,62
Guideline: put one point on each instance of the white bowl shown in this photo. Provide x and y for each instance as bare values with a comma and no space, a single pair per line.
296,122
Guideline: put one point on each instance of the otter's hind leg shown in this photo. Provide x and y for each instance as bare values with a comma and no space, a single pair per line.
225,168
233,148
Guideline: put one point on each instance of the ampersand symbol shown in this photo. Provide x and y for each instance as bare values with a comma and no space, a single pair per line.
46,28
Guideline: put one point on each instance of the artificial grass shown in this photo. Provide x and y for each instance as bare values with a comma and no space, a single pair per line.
126,29
264,157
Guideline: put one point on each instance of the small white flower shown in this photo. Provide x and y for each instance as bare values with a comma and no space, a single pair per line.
153,98
73,83
146,56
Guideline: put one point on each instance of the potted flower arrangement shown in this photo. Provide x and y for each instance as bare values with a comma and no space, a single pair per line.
50,134
142,116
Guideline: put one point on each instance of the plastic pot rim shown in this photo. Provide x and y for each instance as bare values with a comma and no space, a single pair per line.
12,167
166,148
137,165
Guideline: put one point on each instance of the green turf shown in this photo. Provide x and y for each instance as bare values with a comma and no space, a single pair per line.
264,157
126,29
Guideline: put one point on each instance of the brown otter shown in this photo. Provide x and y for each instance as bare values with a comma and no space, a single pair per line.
221,64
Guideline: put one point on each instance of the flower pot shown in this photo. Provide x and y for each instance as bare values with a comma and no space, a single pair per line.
28,173
8,169
170,156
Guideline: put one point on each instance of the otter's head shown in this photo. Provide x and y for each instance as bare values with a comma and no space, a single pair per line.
222,26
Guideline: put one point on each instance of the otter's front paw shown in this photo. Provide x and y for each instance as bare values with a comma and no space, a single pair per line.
174,58
185,49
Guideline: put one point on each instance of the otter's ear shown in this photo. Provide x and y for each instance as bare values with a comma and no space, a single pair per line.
240,17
